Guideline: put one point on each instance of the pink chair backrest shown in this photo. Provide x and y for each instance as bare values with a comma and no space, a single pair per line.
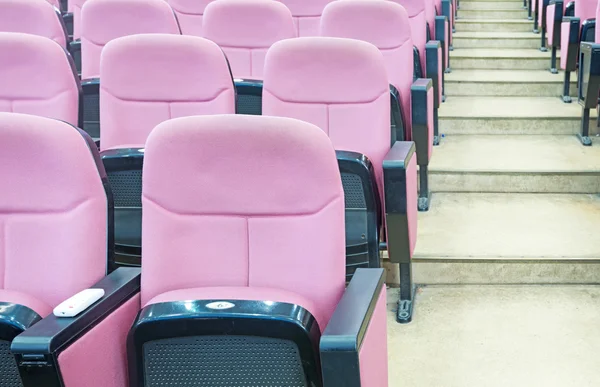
75,8
37,17
53,209
585,9
36,77
105,20
307,14
150,78
418,25
245,29
384,24
430,13
189,14
340,85
263,187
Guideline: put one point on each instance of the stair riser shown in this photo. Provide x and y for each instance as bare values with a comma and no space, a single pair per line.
488,5
500,63
440,273
494,27
443,181
495,43
507,89
493,14
496,126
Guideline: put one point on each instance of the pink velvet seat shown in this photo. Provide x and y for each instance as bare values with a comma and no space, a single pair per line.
385,25
74,7
345,92
276,187
53,208
417,16
105,20
245,29
189,14
53,217
150,78
37,17
37,77
307,15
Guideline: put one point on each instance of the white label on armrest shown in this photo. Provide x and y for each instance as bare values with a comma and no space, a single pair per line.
220,305
78,303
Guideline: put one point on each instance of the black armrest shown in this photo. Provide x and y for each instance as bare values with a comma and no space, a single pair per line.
432,68
588,30
441,35
589,75
91,107
417,68
75,51
68,20
420,118
248,96
14,319
556,24
396,185
222,318
570,9
397,116
345,333
50,335
122,159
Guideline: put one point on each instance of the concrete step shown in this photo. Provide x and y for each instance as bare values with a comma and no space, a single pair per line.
485,14
481,39
511,115
517,83
500,59
496,336
505,25
515,163
481,5
475,238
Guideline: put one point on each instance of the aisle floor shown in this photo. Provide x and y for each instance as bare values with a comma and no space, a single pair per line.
492,336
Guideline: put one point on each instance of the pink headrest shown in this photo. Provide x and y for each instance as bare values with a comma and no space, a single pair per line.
585,9
37,17
295,75
46,165
413,7
247,23
257,158
36,77
195,7
105,20
158,67
382,23
306,7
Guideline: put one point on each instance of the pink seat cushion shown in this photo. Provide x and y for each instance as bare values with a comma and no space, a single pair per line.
307,15
37,17
190,15
105,20
277,191
75,8
242,293
150,78
386,25
37,78
245,30
20,298
53,210
340,85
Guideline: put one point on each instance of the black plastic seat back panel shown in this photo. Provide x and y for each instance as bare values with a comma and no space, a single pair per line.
223,361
